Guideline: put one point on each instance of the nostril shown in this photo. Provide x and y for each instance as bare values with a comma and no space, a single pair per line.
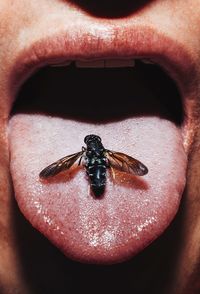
110,8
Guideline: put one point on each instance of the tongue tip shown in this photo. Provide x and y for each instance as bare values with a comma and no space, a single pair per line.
102,244
81,251
99,255
115,254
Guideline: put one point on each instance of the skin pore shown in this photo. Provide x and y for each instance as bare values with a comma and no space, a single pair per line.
29,262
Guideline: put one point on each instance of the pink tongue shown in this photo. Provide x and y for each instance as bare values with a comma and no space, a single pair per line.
133,212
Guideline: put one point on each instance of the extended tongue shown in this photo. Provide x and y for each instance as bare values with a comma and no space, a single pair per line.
133,210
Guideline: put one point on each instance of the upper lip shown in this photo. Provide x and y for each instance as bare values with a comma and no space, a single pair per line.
104,42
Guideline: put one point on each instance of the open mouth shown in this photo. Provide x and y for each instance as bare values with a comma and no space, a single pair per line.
132,105
135,107
102,91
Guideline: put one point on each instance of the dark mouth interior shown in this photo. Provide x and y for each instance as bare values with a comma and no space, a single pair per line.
101,95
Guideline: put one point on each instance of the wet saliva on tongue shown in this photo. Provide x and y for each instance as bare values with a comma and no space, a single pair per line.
126,107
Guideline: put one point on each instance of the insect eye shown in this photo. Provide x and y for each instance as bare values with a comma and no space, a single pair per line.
98,138
86,139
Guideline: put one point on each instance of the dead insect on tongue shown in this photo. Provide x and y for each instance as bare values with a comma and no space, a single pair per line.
96,159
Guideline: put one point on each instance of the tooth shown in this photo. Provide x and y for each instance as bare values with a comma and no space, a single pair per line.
147,61
119,63
61,64
90,64
106,63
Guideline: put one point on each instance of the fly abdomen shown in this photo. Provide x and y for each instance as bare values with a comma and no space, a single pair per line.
97,175
96,164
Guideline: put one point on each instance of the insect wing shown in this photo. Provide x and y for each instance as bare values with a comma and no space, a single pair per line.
126,163
60,165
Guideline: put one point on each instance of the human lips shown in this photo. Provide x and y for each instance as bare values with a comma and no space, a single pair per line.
107,42
123,223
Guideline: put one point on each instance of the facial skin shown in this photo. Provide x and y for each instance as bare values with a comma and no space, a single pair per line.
29,263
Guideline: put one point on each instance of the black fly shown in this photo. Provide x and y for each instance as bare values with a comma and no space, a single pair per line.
96,160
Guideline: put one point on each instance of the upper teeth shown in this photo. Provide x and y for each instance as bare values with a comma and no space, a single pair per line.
60,64
147,61
107,63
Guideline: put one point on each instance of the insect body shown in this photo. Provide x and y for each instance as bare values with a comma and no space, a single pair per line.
96,163
96,160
